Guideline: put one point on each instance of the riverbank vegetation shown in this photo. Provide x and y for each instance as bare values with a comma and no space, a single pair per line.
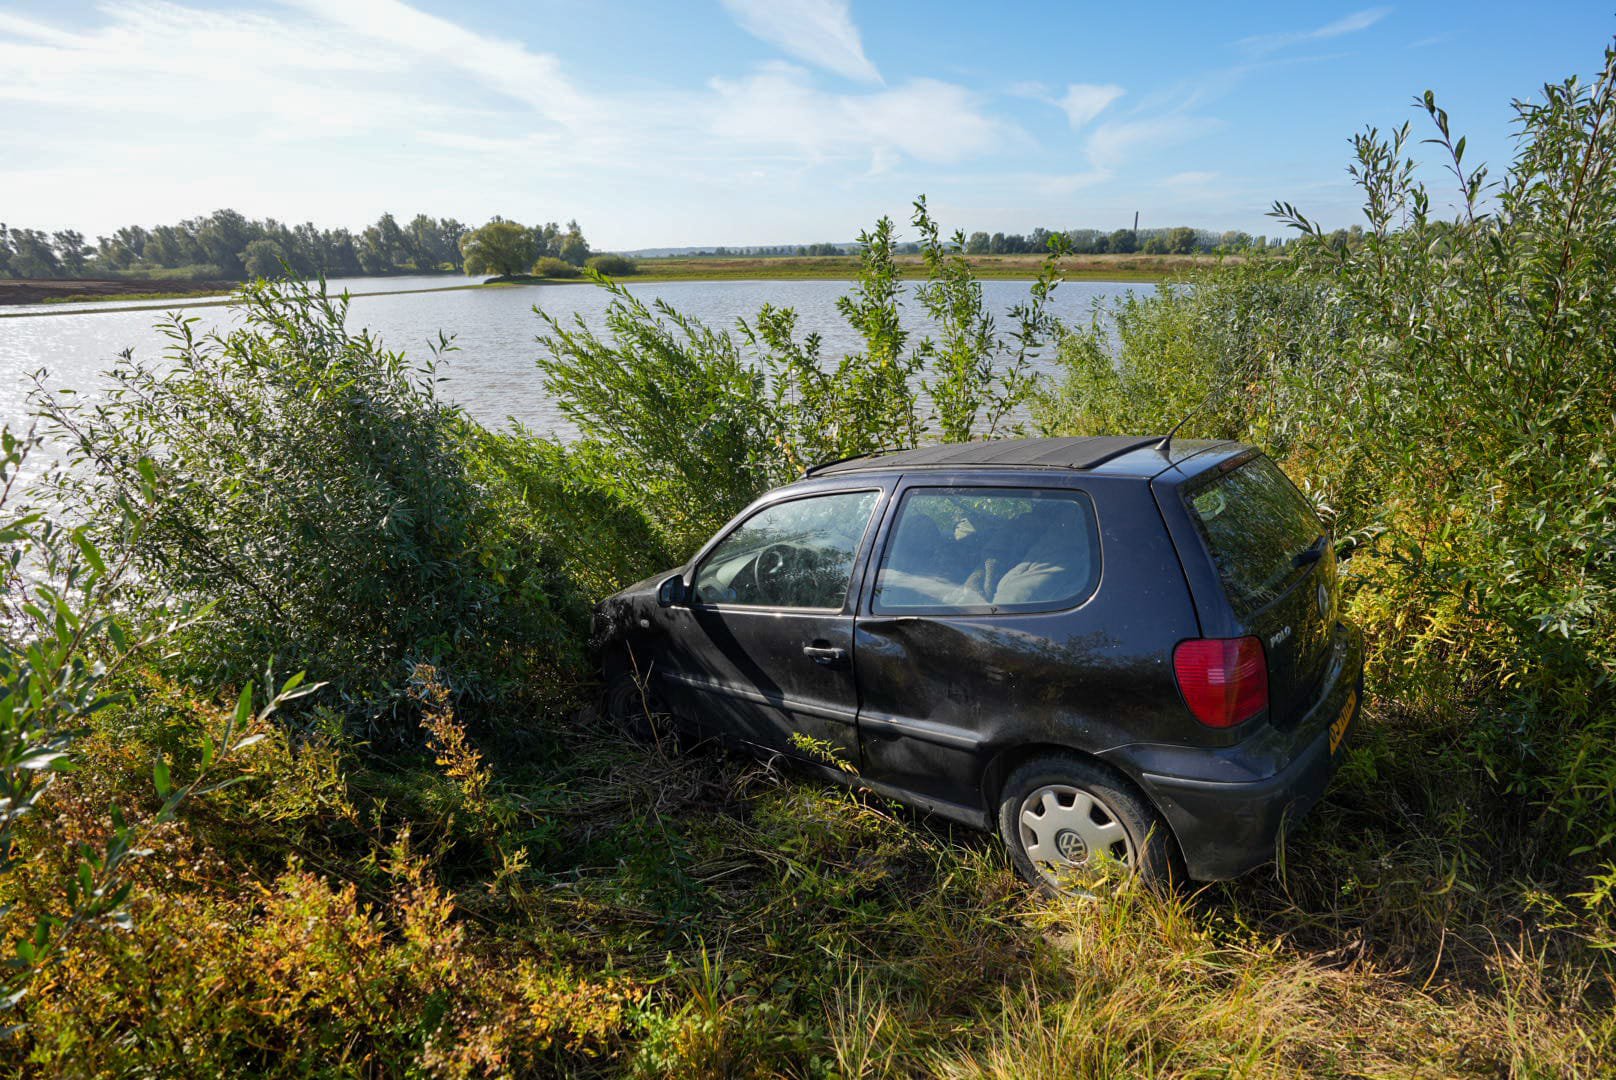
1073,267
313,644
228,246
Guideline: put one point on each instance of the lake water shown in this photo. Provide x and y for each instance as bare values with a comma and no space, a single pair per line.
492,374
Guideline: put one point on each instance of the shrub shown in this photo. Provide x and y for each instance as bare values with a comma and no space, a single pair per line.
1445,388
561,498
67,634
551,267
1476,384
676,418
314,485
612,265
688,423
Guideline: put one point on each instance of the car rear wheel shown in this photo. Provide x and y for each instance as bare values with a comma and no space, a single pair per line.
1065,819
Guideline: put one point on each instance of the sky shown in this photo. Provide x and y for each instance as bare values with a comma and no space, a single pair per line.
742,122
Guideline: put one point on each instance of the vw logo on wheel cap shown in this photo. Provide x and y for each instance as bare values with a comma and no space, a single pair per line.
1071,845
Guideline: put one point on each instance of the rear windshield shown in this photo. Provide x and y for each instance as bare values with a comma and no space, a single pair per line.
1255,523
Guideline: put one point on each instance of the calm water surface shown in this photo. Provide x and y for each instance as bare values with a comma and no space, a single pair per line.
492,373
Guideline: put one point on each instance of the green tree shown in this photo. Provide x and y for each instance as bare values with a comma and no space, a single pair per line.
1180,241
71,252
222,236
262,259
32,255
501,247
574,248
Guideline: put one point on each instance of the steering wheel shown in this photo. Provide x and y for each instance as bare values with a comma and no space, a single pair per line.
774,569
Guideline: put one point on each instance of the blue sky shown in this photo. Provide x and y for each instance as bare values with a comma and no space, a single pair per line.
741,121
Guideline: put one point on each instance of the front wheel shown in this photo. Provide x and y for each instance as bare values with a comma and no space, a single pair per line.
633,706
1063,818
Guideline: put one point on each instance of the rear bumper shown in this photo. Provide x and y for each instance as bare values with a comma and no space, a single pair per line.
1228,808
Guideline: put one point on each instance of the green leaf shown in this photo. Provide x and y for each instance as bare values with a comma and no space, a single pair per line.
244,705
160,777
88,550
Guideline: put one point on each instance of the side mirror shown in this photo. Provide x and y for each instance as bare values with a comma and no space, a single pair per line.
672,593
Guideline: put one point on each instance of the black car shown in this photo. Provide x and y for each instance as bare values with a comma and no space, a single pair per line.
1110,646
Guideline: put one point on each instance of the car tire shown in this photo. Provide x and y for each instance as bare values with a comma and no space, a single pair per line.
631,705
1056,810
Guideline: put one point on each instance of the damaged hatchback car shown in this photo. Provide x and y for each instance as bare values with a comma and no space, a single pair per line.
1105,649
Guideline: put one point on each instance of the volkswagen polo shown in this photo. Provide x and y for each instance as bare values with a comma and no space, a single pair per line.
1123,649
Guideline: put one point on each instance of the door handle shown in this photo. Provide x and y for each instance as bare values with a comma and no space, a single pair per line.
824,654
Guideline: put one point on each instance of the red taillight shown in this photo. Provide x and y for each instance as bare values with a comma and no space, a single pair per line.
1224,680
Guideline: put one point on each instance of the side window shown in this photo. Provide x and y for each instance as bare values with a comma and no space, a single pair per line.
984,550
792,554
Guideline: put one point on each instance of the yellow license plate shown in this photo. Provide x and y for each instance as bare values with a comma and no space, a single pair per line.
1338,729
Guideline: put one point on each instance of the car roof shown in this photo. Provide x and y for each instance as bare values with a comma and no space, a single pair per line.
1138,455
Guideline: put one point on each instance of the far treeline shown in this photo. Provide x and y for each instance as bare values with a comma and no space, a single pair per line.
1179,240
227,245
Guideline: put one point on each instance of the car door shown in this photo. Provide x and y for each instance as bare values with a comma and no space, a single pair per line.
767,652
973,629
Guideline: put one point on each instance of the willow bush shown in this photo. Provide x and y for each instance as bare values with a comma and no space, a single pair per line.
1479,377
313,486
689,422
1447,389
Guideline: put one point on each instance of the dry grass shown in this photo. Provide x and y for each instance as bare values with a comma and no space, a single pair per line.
588,906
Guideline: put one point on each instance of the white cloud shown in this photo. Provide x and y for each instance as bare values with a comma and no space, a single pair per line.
818,32
154,110
1350,24
507,67
206,70
928,120
1084,101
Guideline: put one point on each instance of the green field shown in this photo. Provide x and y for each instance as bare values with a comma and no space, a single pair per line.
1015,267
1129,268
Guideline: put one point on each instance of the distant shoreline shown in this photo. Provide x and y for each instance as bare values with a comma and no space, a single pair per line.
1152,268
1118,268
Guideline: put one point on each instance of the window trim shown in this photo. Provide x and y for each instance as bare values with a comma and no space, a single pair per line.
1064,604
853,573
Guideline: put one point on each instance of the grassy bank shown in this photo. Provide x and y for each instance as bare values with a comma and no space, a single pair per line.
214,300
20,291
1149,268
1122,268
64,291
